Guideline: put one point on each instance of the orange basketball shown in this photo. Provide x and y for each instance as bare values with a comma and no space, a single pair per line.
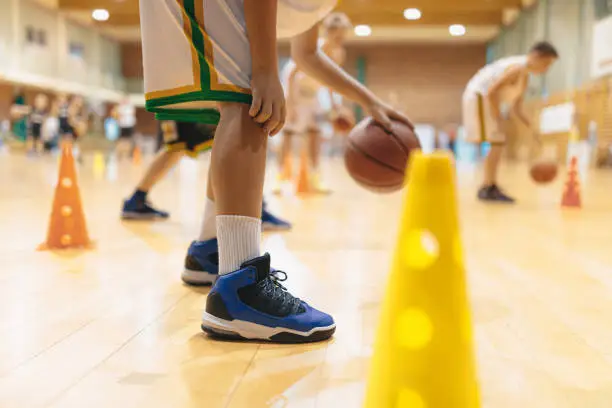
375,158
544,172
342,124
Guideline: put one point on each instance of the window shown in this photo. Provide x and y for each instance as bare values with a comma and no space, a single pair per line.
30,35
76,50
35,36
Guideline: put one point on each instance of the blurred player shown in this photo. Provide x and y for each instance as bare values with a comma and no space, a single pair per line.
501,82
125,114
37,118
303,106
225,51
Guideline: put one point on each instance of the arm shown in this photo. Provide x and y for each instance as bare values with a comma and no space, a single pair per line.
314,62
494,92
518,107
268,107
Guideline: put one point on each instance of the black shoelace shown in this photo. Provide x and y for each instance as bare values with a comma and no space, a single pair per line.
273,289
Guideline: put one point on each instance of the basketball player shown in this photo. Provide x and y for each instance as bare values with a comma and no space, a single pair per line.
303,107
501,82
225,51
126,118
37,118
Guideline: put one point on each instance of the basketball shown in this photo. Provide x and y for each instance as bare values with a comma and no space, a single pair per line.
543,172
342,124
377,159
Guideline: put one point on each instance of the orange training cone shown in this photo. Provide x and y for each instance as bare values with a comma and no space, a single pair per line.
67,227
137,155
571,193
303,179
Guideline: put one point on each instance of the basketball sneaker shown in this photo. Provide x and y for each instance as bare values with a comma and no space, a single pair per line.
251,303
494,194
270,222
201,263
136,209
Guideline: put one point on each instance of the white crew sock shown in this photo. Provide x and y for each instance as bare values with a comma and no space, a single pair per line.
209,225
239,238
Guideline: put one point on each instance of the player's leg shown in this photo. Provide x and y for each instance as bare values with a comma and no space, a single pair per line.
247,300
137,207
489,127
202,259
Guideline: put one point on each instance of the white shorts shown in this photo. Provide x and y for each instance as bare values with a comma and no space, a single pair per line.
197,53
307,115
480,125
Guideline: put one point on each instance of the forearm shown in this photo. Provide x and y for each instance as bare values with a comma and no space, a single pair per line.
493,102
322,68
260,16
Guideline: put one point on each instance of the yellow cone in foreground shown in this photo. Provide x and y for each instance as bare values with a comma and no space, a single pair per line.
423,354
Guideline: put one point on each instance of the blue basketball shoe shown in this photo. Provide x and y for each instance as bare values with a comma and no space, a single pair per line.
137,208
251,303
270,222
201,263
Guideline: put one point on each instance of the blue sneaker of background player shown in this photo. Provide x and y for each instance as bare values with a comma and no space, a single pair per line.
201,263
137,208
251,303
270,222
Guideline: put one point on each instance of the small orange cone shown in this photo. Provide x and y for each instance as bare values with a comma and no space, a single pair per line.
303,177
137,156
571,193
67,227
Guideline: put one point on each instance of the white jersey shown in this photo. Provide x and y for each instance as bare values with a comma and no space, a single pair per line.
197,51
297,16
487,76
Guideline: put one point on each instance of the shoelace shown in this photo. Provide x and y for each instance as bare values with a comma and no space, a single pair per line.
274,289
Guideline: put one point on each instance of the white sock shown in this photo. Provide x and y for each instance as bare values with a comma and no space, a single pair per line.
209,225
239,238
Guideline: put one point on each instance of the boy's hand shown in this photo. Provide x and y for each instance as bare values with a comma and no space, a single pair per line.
384,114
268,107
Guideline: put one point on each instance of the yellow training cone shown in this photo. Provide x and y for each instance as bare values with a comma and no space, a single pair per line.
423,356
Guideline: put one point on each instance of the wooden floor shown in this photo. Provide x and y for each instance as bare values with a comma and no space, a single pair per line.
115,327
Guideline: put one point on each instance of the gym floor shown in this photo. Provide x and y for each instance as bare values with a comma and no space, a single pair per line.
115,327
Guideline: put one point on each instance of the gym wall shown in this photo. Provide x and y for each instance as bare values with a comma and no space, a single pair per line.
40,47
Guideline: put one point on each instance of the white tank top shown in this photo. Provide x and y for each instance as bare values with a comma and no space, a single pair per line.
486,77
297,16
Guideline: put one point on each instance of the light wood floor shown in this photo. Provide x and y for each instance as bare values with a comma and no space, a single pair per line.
115,327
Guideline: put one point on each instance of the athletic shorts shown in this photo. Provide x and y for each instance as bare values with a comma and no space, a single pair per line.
35,131
307,115
65,127
193,138
480,125
194,51
126,132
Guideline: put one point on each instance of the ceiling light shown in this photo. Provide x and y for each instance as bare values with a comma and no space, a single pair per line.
363,30
412,14
457,30
100,14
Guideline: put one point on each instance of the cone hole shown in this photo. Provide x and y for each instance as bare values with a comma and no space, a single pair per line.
420,249
413,329
66,182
